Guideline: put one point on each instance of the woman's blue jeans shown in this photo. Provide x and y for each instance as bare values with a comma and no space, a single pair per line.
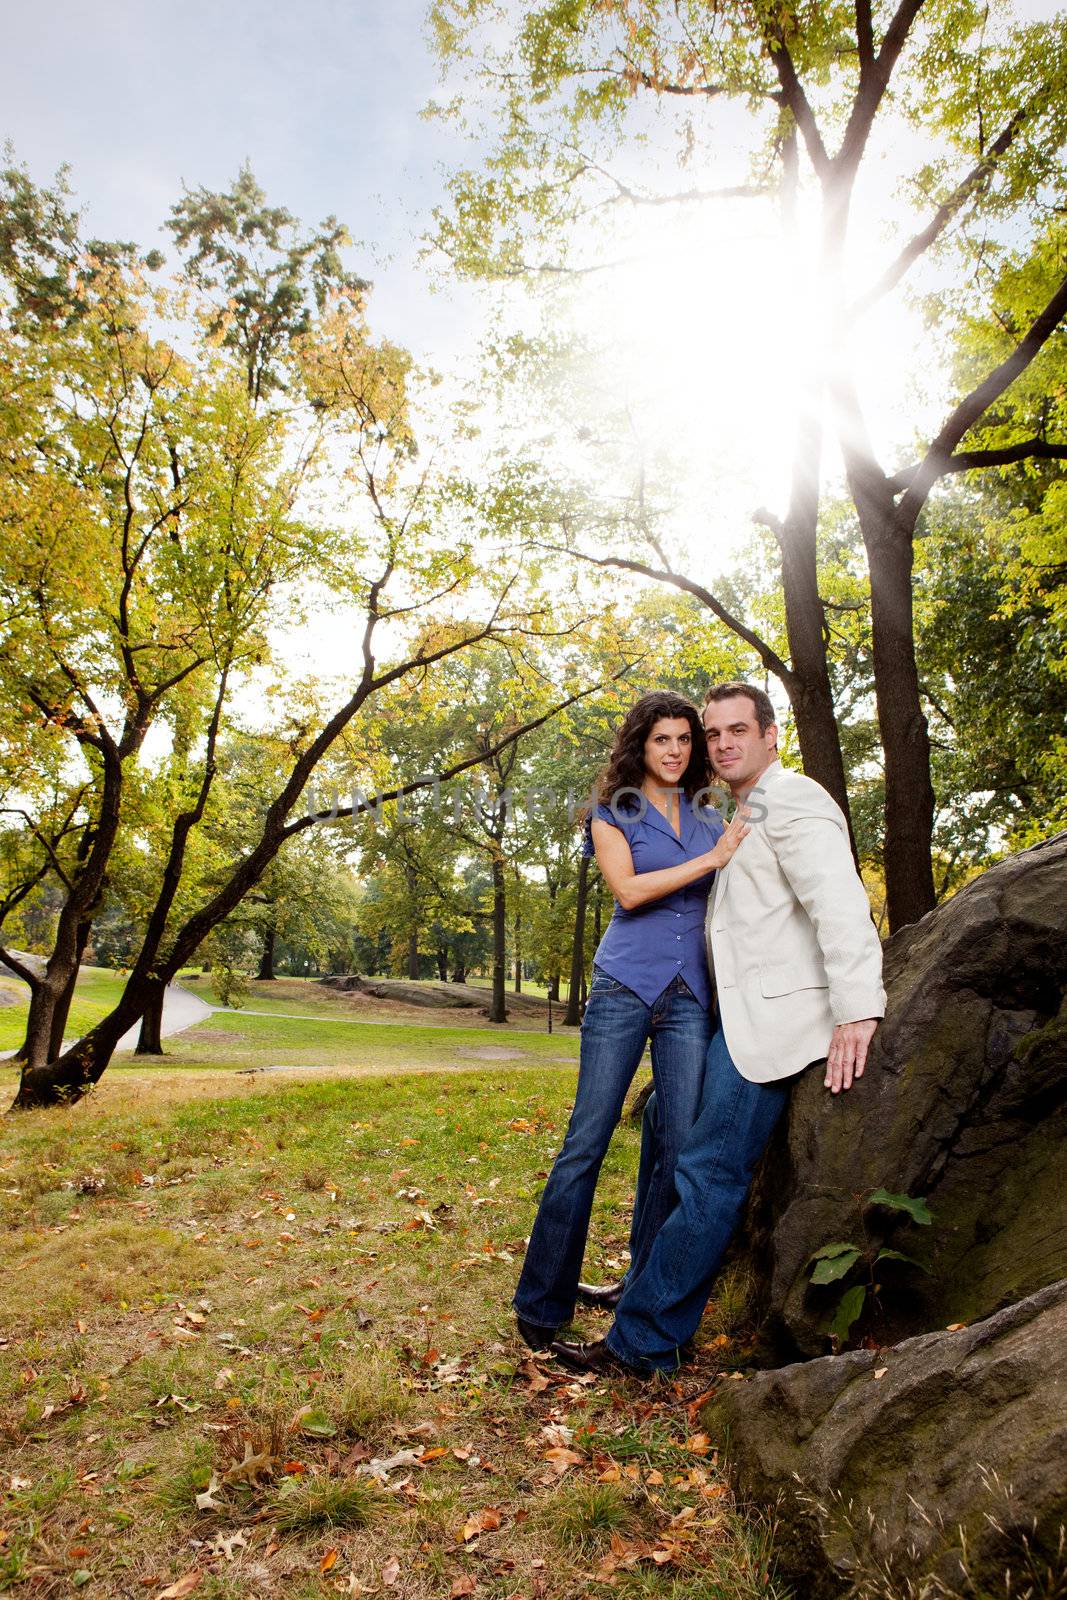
662,1304
615,1029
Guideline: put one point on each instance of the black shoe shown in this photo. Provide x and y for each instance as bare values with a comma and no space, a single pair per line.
605,1296
594,1358
534,1335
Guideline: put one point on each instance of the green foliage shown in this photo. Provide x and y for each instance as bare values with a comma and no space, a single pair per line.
267,279
849,1309
914,1205
834,1262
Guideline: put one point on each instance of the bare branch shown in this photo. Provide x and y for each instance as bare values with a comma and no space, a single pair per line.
796,100
874,78
972,184
27,975
487,753
896,37
864,37
770,659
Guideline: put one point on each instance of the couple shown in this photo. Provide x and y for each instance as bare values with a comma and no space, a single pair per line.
796,978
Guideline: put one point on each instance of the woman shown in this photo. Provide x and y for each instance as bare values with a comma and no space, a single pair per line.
658,847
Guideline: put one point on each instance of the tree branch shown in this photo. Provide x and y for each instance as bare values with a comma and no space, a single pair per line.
797,101
875,74
975,180
486,754
27,975
974,405
971,460
864,37
770,659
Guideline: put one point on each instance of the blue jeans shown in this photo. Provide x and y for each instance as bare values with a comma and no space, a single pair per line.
616,1026
664,1301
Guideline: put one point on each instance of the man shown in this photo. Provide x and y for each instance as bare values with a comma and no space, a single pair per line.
797,967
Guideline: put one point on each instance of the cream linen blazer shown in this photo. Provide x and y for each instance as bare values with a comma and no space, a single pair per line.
791,945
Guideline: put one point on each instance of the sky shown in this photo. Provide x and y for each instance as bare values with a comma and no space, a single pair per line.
323,99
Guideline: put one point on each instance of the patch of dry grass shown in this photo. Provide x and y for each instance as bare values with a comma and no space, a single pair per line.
294,1303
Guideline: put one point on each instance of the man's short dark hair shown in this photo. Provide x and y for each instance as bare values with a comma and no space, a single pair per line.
761,700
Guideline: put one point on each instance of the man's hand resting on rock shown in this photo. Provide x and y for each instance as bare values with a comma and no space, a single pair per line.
847,1054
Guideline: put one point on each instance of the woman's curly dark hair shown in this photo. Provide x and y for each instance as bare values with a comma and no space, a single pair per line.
626,763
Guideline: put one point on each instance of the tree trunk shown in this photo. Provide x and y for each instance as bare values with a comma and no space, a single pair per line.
498,1005
574,999
266,973
68,1078
150,1038
442,963
810,692
909,792
61,1010
518,949
411,878
459,972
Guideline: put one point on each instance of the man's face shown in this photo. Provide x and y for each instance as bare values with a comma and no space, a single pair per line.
739,751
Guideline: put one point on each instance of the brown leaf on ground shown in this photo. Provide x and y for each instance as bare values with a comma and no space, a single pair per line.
562,1460
184,1585
486,1521
255,1465
329,1560
464,1584
390,1572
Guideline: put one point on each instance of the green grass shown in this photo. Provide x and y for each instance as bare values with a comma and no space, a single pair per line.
198,1269
244,1039
309,1508
96,993
352,1034
529,986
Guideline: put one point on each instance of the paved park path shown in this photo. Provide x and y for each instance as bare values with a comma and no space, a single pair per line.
180,1011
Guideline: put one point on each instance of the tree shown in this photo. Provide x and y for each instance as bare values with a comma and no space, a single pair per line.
983,97
172,557
267,280
420,902
147,513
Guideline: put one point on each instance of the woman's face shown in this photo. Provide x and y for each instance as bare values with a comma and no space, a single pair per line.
667,750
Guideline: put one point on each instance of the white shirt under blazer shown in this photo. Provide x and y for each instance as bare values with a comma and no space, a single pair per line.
791,945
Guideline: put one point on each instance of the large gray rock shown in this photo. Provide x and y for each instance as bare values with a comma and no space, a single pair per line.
964,1102
35,963
940,1461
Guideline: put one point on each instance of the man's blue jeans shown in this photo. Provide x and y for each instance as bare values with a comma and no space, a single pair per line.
664,1299
615,1028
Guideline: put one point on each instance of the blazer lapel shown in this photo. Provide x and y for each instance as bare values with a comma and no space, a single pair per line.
722,878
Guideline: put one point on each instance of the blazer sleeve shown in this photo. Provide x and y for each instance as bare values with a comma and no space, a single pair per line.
807,833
